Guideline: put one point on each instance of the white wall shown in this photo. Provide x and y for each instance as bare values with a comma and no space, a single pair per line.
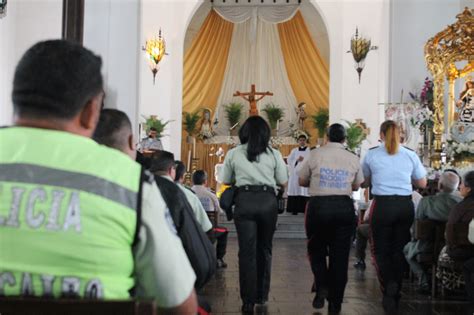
26,22
111,29
412,24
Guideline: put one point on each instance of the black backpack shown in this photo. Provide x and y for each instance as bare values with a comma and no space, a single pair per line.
198,248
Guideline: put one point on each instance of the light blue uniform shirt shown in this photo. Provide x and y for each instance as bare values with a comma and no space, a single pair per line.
392,174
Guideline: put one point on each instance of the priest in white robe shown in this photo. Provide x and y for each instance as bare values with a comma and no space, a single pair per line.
297,195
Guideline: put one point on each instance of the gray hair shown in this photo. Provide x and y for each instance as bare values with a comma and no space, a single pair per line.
449,182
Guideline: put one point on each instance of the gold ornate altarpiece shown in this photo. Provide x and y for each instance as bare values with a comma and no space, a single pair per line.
453,44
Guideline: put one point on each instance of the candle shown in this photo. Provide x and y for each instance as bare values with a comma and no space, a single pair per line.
189,160
194,148
278,124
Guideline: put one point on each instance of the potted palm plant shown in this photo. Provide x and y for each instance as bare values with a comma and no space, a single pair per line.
190,123
158,124
320,122
355,136
233,113
274,114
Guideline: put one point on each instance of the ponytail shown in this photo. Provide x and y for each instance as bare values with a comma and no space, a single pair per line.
391,132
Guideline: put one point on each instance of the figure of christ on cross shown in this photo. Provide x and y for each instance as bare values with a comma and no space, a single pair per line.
252,100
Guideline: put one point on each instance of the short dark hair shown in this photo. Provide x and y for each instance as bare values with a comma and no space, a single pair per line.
336,133
180,170
199,177
161,161
152,129
113,128
255,132
55,78
468,181
302,136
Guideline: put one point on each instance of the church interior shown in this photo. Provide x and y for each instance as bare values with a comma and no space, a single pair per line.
194,71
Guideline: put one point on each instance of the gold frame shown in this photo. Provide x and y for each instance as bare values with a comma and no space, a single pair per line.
455,43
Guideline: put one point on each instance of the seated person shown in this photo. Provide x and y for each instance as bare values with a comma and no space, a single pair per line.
463,212
362,236
437,208
211,204
151,143
68,206
162,164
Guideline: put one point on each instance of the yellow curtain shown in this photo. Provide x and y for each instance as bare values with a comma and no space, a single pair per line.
307,71
205,63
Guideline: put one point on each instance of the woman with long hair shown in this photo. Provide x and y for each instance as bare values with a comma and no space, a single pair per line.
391,169
256,169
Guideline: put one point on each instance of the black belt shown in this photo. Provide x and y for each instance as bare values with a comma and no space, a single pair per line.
332,197
392,197
256,188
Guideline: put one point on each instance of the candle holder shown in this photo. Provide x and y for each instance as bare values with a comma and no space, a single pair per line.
188,175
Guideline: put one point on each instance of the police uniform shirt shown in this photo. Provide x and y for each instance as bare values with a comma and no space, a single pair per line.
269,169
162,269
331,170
392,174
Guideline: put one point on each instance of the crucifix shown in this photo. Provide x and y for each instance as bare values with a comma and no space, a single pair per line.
252,100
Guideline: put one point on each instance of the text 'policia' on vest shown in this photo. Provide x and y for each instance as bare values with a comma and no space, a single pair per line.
46,191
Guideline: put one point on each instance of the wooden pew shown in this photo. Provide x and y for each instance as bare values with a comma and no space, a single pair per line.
45,306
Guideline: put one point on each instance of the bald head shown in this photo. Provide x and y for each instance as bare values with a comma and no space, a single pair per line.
448,182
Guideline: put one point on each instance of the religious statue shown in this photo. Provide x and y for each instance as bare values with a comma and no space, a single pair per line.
252,99
301,115
465,104
206,131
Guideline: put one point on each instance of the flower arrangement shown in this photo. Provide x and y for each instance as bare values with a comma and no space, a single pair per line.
298,133
423,115
425,99
460,151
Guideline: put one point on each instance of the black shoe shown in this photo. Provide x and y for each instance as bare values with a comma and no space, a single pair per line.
247,308
221,263
360,264
318,301
334,308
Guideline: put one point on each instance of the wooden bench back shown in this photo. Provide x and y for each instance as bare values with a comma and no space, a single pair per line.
456,234
40,306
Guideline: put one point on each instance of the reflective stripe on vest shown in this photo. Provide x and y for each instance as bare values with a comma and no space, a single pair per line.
67,215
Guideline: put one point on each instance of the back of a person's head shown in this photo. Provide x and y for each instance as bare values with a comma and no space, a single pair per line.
55,79
113,129
449,182
468,181
161,162
199,177
391,132
255,132
336,133
452,170
180,170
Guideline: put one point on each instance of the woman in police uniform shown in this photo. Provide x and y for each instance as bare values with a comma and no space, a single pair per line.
256,169
391,169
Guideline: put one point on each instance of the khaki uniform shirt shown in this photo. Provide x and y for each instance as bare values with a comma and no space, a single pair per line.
331,170
269,169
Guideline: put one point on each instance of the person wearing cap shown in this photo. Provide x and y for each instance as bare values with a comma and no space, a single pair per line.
331,173
297,195
391,169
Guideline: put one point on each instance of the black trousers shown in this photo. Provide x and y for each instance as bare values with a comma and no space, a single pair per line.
329,227
255,218
221,233
390,223
362,236
468,269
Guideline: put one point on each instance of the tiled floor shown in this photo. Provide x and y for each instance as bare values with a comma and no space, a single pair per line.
291,284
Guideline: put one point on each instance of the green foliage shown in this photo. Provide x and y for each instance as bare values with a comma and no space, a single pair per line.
158,124
274,114
320,121
355,135
190,122
233,113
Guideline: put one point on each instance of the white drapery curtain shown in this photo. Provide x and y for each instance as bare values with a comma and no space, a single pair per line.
269,14
261,63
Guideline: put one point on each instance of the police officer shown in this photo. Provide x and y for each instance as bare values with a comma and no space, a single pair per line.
332,173
69,206
391,169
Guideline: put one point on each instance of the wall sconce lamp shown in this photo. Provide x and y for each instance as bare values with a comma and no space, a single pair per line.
155,49
360,47
3,8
